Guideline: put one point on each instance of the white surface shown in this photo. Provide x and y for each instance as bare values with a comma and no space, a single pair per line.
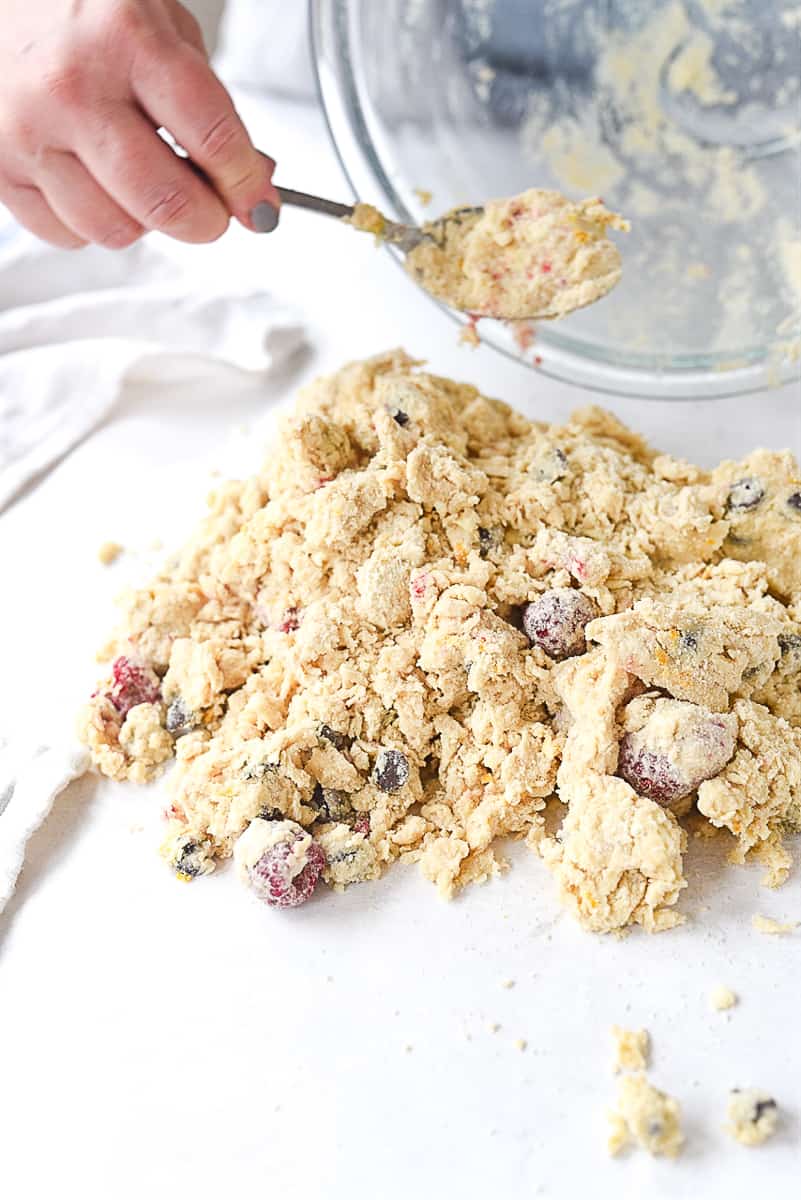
162,1039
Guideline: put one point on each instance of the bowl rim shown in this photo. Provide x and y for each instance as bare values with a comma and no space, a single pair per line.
335,80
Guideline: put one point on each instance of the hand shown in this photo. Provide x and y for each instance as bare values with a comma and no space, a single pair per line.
84,84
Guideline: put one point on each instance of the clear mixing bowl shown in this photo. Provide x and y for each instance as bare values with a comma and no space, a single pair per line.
684,115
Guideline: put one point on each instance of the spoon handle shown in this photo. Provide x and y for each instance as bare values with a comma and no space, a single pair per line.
329,208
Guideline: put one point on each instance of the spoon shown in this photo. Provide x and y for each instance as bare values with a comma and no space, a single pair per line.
537,256
405,237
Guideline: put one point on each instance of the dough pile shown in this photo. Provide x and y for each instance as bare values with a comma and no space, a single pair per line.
428,618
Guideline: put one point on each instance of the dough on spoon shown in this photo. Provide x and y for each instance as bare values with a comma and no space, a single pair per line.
534,255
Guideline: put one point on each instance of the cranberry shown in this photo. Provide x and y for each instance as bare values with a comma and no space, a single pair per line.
745,494
702,744
651,775
273,881
391,770
132,685
289,621
362,824
555,622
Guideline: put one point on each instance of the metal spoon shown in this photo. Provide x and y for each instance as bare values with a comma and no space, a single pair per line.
439,232
405,237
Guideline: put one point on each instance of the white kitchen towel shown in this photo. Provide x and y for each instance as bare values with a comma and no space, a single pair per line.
31,776
75,325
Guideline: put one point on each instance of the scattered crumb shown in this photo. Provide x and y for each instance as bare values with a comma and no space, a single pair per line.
424,196
647,1116
768,925
330,979
136,828
109,552
632,1048
508,983
493,1028
409,1048
722,998
521,1043
753,1116
469,334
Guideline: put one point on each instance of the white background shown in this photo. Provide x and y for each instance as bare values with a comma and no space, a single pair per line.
173,1040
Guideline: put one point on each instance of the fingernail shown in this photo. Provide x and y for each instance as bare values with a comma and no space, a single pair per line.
264,217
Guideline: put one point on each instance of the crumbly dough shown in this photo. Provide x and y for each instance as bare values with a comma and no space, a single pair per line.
753,1116
722,998
632,1048
109,552
775,928
534,255
646,1116
379,638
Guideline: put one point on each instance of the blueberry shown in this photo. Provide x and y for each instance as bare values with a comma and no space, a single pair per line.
256,771
340,741
391,770
555,622
400,417
189,861
745,494
330,804
488,539
689,641
790,645
763,1106
794,503
180,719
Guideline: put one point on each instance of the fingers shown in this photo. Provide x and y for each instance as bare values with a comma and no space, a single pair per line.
81,204
188,28
146,179
32,210
177,89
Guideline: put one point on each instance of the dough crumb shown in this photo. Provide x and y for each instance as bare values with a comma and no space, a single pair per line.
753,1116
768,925
493,1027
508,983
646,1116
109,552
424,196
521,1044
632,1048
722,998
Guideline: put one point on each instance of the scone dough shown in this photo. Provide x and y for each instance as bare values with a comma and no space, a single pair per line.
371,639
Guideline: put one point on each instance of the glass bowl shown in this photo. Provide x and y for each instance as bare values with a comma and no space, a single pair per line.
683,116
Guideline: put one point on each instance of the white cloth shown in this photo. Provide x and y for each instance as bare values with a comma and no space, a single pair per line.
65,353
264,45
31,776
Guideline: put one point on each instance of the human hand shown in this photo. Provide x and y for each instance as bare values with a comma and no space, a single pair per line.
84,85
